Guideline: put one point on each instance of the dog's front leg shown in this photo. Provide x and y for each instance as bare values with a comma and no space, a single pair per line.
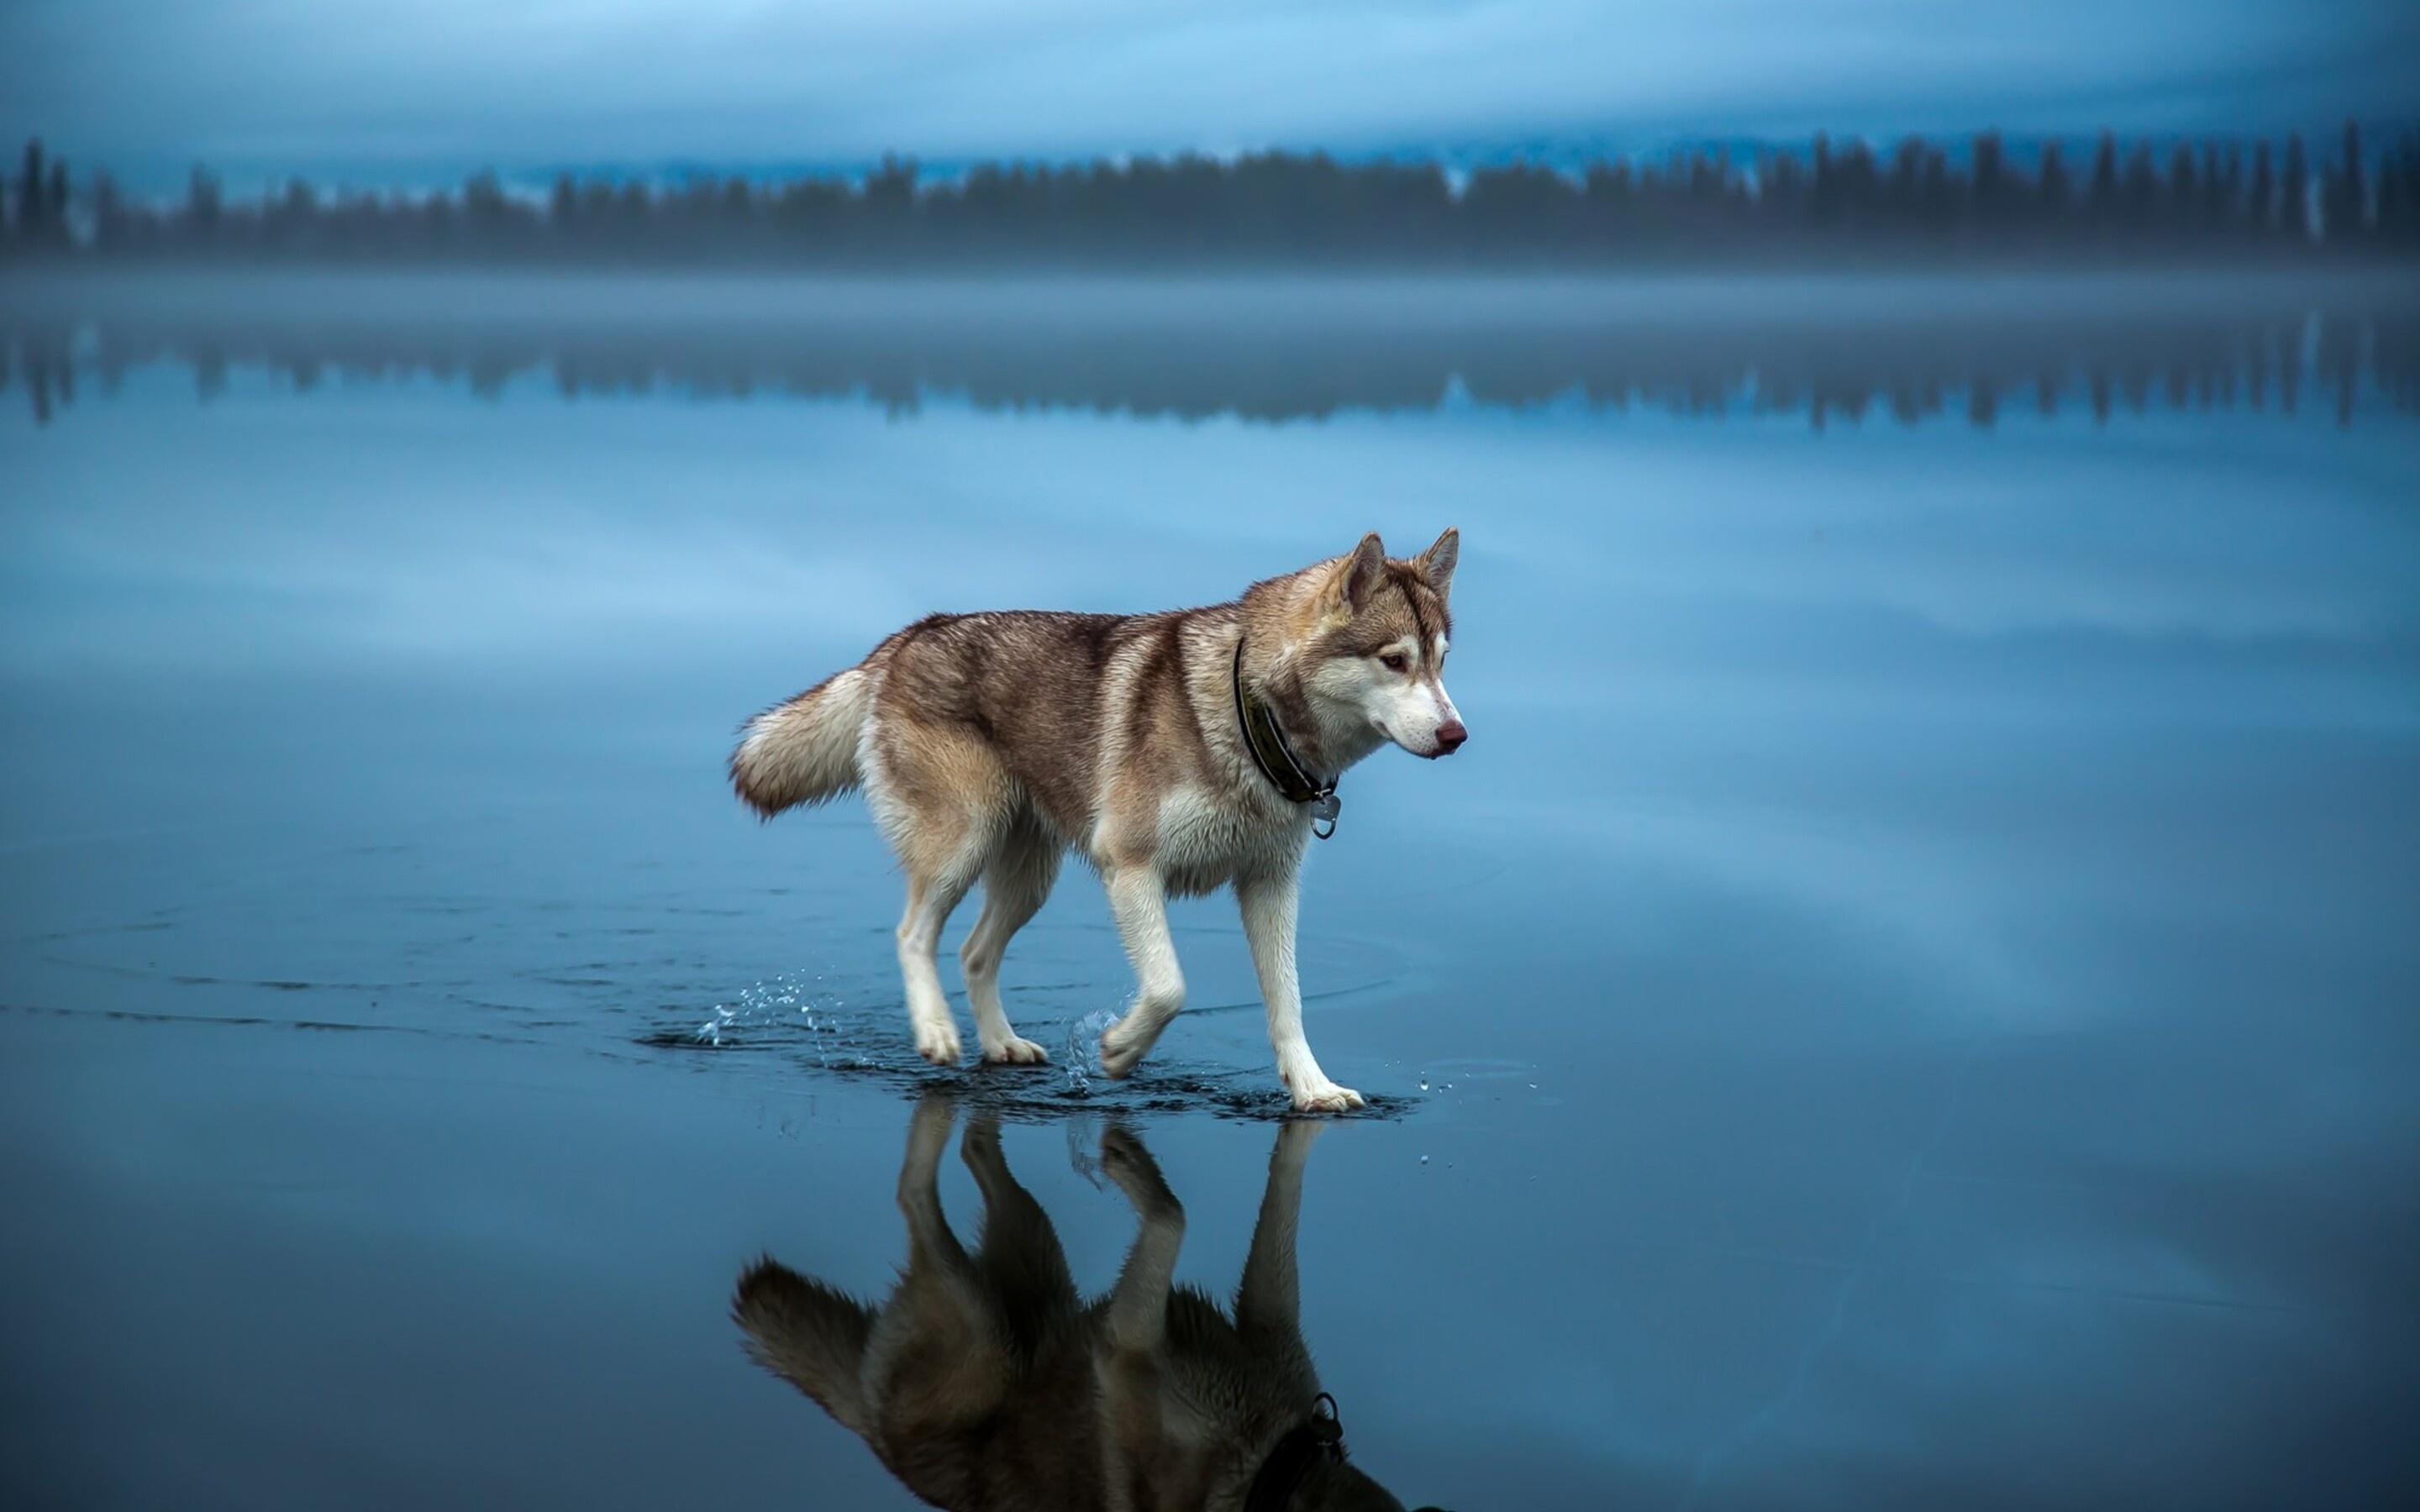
1268,904
1137,1313
1138,902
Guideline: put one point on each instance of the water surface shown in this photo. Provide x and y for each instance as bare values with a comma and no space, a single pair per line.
1907,998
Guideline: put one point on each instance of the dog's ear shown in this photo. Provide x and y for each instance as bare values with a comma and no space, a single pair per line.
1437,562
1356,576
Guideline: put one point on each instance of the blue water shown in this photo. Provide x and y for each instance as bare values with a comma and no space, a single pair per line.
1907,998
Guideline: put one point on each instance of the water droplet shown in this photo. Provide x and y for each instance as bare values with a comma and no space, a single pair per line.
1425,1160
1424,1084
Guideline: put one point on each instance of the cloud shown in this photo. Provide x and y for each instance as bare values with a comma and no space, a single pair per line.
305,83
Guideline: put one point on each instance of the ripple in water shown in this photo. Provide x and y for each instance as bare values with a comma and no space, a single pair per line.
797,1016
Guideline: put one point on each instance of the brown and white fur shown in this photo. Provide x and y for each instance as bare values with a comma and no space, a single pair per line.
987,1381
988,744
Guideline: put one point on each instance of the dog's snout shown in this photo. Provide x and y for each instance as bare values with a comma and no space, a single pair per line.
1449,737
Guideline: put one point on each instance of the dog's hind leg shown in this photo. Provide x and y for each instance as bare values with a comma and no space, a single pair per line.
944,800
929,1239
1015,887
931,896
1018,1254
1138,902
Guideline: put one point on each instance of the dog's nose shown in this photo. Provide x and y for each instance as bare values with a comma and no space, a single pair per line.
1450,735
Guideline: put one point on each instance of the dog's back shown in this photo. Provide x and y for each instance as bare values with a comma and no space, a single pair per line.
1023,693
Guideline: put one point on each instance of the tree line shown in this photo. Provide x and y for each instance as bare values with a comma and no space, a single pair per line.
1847,199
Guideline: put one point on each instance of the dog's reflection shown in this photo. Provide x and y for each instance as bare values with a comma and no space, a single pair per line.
986,1381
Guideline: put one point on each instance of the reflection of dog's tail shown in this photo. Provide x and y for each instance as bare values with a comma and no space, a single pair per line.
809,1335
804,751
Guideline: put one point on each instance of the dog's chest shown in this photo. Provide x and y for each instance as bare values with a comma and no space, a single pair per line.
1204,842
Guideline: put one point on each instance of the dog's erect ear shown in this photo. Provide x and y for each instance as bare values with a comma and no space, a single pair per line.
1357,579
1437,562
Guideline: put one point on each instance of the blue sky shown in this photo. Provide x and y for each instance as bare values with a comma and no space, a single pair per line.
335,88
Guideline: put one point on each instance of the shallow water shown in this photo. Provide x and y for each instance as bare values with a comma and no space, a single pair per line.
1907,997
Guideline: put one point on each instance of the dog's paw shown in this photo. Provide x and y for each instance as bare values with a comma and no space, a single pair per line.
1323,1095
1120,1056
1016,1052
938,1042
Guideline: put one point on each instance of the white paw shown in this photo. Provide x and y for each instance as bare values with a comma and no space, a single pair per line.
1118,1061
938,1042
1016,1052
1323,1095
1125,1045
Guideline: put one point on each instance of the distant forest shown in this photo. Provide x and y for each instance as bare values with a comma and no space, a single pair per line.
1847,201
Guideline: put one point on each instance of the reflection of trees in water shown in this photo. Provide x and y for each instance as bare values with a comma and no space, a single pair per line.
1962,369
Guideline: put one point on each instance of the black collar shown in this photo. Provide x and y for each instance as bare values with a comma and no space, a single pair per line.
1304,1445
1265,739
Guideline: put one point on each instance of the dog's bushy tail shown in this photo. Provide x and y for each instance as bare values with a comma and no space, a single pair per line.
804,751
809,1335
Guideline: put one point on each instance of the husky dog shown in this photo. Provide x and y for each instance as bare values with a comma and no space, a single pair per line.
1178,752
987,1381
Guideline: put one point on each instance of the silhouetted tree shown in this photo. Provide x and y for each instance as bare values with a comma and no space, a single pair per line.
2140,195
202,203
112,227
1861,181
2053,196
33,197
1823,191
1990,181
1936,196
2345,196
2227,191
2184,193
2294,193
2398,193
54,215
2101,198
2261,201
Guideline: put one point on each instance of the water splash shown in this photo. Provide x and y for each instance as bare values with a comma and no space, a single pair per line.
788,1004
1084,1147
1082,1060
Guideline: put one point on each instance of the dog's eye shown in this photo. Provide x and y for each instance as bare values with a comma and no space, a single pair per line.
1395,661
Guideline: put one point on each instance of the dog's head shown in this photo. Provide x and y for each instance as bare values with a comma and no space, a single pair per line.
1379,643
